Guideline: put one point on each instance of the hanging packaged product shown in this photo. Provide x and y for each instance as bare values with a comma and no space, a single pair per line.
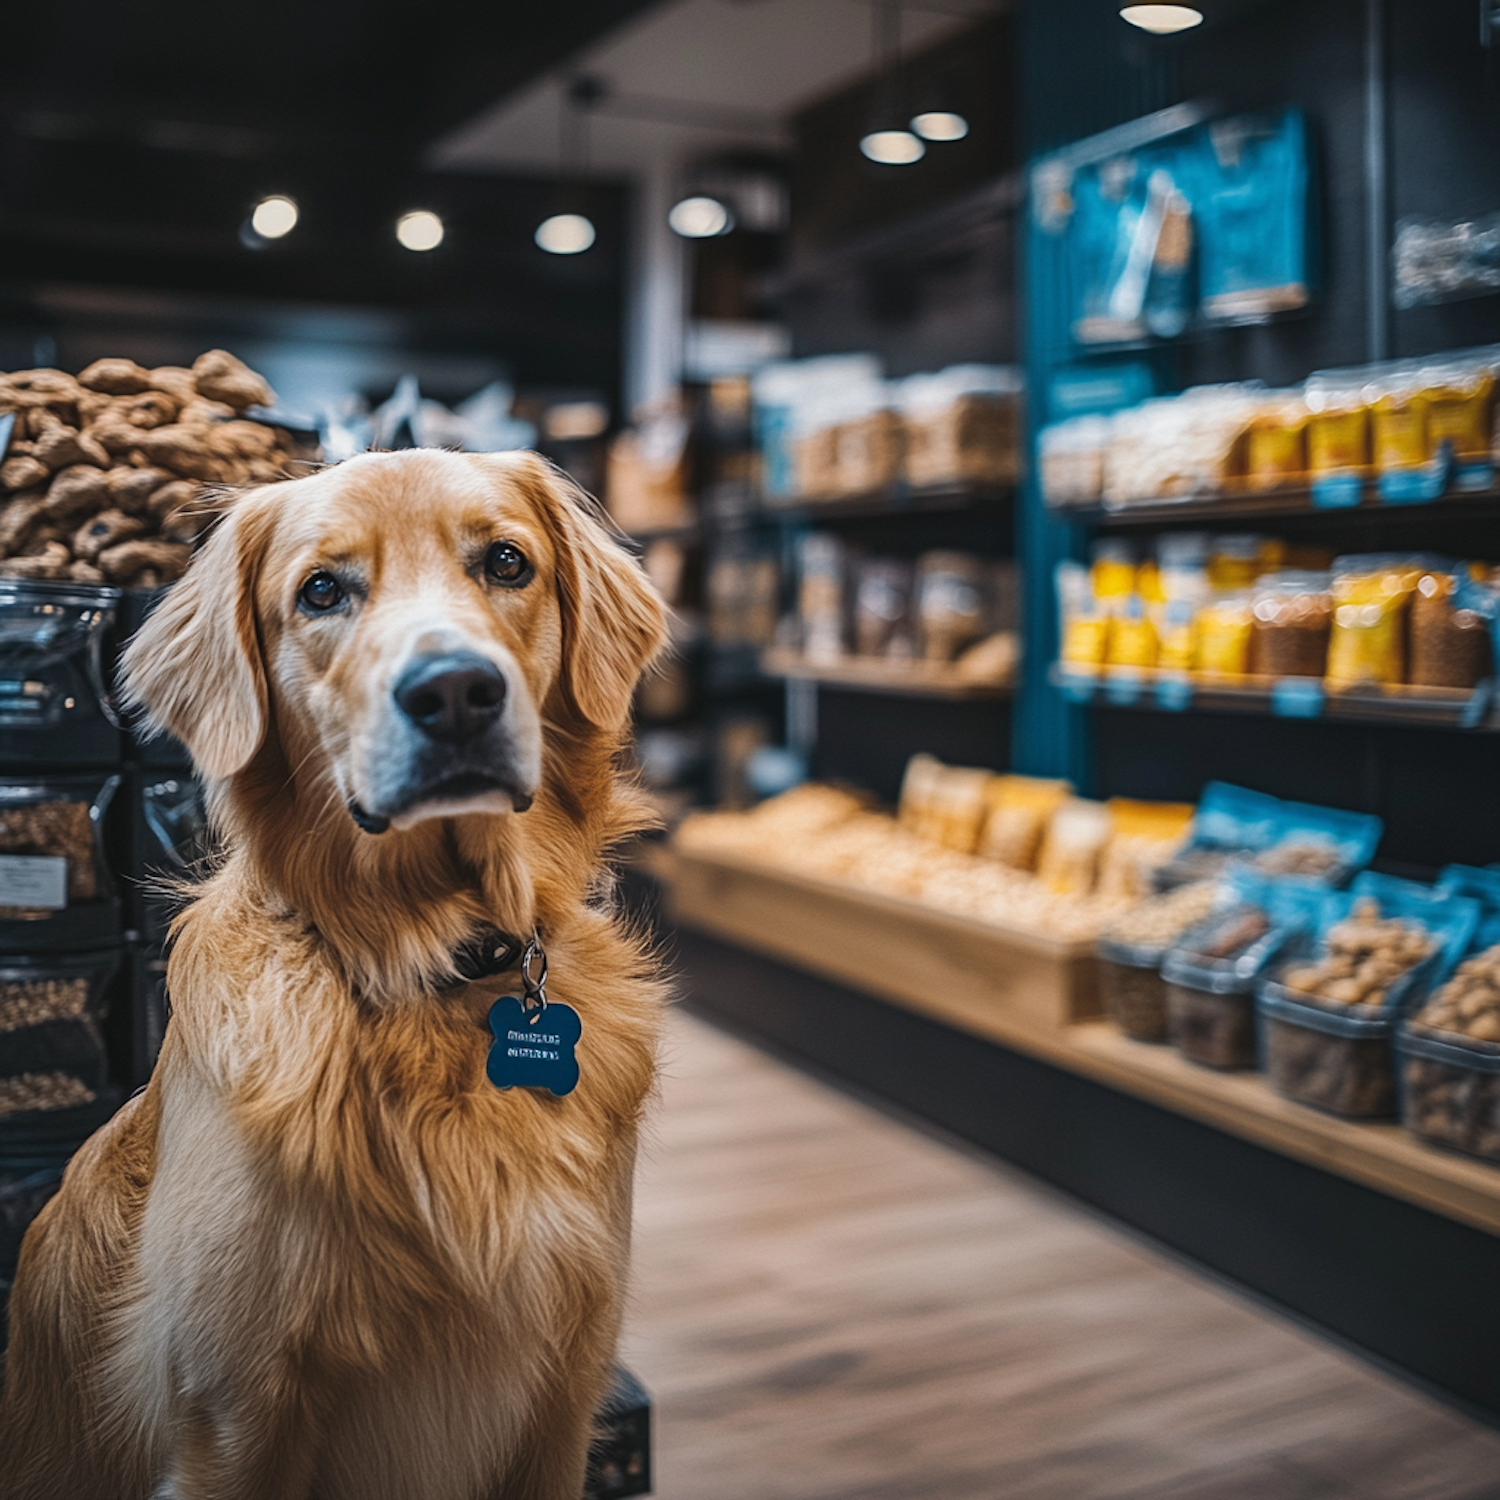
951,603
1451,619
1330,1011
52,1008
1083,628
1132,636
1129,957
962,425
1225,626
1250,194
1293,613
1322,846
1371,595
1020,808
820,596
882,608
1398,419
1071,456
1461,407
1276,442
1143,837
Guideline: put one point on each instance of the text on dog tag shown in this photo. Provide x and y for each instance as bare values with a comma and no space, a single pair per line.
535,1052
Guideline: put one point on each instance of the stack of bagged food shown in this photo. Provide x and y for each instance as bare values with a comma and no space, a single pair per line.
1238,605
1017,851
103,473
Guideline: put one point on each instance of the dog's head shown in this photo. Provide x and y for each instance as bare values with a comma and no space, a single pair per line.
404,626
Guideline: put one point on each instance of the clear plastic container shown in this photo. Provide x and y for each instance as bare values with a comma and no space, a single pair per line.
1211,999
1293,618
1132,989
1451,1090
52,1053
1337,1058
54,701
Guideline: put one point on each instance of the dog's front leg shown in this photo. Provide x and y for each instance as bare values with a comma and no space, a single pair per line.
262,1455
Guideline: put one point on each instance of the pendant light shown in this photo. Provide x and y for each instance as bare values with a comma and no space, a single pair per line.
887,140
1162,20
568,231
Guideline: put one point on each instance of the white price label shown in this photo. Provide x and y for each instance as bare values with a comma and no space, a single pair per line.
34,880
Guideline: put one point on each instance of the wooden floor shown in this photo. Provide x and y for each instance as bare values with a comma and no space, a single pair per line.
832,1306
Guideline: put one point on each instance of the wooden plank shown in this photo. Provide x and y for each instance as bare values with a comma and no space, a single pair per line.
894,948
916,679
1026,993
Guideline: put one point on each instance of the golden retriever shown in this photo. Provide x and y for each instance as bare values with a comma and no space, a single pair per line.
321,1255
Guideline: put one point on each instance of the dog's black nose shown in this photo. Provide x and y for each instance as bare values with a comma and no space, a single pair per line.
451,696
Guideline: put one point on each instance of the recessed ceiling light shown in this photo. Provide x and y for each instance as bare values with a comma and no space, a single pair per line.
565,234
420,230
700,218
1163,19
940,125
274,217
893,148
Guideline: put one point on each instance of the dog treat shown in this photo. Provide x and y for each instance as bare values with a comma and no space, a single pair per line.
1365,956
1130,953
124,442
39,1091
116,377
1298,857
33,1002
1215,1030
1469,1004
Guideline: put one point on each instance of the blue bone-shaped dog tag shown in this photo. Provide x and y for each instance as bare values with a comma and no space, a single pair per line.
535,1053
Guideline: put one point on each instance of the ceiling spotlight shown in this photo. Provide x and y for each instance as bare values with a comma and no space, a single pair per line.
274,217
565,234
940,125
700,218
420,230
893,148
1163,20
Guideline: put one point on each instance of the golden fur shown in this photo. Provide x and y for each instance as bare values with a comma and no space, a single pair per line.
320,1256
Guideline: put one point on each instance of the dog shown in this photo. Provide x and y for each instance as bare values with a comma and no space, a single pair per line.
322,1254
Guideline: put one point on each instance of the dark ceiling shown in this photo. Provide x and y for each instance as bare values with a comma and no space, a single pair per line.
136,135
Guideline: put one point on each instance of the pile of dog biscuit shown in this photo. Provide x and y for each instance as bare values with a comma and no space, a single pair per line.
103,471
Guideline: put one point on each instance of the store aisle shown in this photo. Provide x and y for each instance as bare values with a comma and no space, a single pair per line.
831,1306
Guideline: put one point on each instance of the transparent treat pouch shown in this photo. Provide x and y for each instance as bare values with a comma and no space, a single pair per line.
55,886
1338,1056
1212,973
54,700
52,1053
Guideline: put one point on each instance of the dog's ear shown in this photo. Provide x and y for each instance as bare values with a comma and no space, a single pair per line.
614,624
194,669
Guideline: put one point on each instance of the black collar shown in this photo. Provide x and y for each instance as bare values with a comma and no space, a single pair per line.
488,952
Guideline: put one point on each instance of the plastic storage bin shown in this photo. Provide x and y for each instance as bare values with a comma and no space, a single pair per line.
1211,1001
54,700
1132,989
1451,1090
56,890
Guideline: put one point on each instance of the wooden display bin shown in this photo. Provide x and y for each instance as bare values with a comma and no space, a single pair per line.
979,975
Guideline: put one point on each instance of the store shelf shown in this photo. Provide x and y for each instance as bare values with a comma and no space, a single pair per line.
1290,698
894,500
1284,505
897,679
1037,997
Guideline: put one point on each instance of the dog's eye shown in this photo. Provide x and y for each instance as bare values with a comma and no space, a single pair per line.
321,593
506,565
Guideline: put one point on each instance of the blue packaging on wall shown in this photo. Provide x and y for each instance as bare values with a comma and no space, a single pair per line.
1250,196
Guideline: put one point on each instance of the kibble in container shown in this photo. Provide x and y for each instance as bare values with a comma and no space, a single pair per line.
1129,958
1451,1090
52,1052
1210,979
54,702
55,886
